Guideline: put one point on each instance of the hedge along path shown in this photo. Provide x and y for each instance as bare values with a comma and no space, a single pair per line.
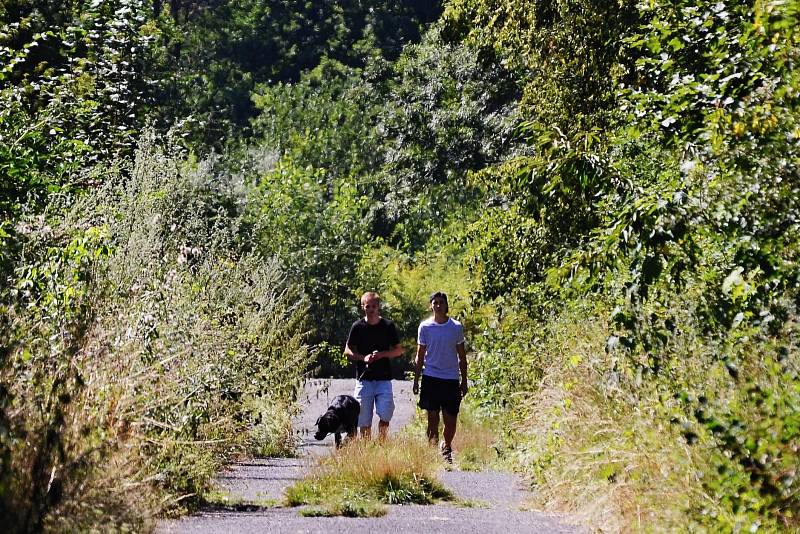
498,496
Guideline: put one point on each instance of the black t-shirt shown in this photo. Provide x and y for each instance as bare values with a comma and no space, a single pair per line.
365,338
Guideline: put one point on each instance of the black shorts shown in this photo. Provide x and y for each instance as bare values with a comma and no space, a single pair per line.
440,394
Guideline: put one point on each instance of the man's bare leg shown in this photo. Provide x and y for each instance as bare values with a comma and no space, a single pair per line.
383,430
433,427
450,422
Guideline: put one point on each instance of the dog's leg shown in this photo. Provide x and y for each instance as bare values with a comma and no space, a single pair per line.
338,437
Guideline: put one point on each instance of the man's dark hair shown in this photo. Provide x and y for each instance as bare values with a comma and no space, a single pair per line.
438,295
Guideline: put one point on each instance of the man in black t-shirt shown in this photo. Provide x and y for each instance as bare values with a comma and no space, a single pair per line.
373,341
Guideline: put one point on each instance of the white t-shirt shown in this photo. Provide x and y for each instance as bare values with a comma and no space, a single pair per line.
440,340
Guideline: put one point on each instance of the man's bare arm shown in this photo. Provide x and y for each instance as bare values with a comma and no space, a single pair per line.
353,355
462,366
418,361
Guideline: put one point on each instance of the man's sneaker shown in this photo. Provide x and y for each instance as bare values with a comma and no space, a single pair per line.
447,452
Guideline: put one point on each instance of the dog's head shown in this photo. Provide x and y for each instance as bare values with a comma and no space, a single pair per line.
326,423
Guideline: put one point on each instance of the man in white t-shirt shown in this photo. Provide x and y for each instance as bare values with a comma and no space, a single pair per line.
441,358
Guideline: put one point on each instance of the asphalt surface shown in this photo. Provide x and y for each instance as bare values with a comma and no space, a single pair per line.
493,499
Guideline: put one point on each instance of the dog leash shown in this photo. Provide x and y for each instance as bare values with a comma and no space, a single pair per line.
366,368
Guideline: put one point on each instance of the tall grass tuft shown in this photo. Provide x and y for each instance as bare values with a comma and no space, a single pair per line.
363,475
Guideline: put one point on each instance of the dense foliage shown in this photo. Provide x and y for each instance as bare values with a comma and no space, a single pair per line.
607,190
152,324
671,200
142,344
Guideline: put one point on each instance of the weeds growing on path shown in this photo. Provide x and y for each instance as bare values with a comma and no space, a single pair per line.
364,475
475,441
475,446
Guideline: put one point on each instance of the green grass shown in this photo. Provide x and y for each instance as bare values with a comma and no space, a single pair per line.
224,500
471,503
352,506
364,476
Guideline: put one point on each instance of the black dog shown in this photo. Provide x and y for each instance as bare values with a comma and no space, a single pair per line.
342,416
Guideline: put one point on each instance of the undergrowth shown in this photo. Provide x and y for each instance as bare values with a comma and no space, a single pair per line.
476,442
144,347
607,439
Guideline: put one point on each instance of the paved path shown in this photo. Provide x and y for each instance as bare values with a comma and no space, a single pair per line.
498,495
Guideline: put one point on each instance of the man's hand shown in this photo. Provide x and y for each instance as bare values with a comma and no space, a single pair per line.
415,389
464,388
369,358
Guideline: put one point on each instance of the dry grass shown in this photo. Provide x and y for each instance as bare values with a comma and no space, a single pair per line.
365,474
475,446
475,442
595,452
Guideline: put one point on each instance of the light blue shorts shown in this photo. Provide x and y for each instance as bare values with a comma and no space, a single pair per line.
375,394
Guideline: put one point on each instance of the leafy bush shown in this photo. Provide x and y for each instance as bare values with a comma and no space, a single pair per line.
313,228
312,205
451,112
325,120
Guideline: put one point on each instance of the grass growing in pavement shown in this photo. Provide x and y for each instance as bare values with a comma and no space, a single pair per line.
471,503
363,476
224,500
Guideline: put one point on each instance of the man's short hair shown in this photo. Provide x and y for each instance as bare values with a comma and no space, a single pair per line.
370,295
437,295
